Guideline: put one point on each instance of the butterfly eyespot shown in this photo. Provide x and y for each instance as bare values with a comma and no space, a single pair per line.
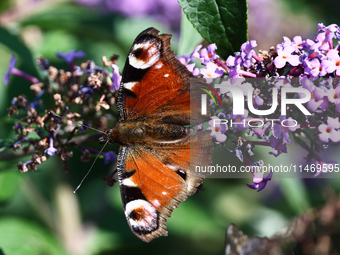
142,216
145,54
138,52
134,215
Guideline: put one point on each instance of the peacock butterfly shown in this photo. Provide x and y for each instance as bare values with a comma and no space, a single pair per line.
158,150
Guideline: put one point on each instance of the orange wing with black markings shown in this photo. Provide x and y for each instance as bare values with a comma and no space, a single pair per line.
159,86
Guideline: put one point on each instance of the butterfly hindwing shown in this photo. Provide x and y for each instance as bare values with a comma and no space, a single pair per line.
150,193
153,182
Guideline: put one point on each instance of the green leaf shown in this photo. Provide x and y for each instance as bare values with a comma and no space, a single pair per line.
223,22
19,236
190,38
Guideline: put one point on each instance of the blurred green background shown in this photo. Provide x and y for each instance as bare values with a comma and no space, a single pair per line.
39,214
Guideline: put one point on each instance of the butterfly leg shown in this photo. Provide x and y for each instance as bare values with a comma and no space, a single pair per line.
110,179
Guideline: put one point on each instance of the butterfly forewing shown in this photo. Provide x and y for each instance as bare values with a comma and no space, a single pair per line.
162,86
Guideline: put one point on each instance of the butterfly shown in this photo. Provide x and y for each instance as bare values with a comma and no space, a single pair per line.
158,150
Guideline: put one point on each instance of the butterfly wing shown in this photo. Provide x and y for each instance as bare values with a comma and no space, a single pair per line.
150,191
154,180
154,82
157,174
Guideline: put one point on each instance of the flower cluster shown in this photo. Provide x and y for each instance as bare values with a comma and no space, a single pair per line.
53,124
313,65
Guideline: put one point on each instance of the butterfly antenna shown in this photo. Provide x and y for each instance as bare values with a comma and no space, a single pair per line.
77,123
90,168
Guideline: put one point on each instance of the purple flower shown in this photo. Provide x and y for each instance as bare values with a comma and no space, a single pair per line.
286,43
239,121
234,61
115,77
217,129
185,59
322,42
332,31
277,145
82,128
212,71
331,28
37,103
208,54
230,61
87,91
51,150
78,71
333,95
192,69
334,62
235,72
70,55
257,101
109,156
248,47
284,56
247,53
315,68
195,53
13,70
43,64
298,42
330,131
17,145
279,129
318,99
259,182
